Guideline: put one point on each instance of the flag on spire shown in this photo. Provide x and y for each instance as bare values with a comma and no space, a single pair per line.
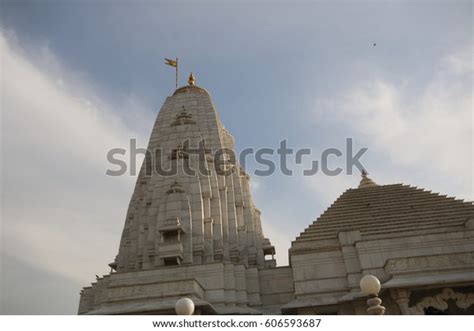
172,63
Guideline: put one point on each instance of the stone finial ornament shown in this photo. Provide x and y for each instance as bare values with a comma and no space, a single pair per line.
366,181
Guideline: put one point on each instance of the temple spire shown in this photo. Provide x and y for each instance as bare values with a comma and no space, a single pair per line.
366,181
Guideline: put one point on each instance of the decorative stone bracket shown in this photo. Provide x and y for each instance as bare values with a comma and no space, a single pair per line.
439,301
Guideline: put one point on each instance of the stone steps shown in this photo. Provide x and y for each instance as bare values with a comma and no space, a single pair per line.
415,217
388,209
387,231
335,221
347,218
363,225
367,226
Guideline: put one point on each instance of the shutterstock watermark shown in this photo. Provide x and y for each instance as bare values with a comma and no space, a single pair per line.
203,161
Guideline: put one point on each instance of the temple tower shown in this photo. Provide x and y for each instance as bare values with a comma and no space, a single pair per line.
191,209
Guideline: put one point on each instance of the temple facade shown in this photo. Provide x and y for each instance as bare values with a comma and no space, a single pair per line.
192,230
418,243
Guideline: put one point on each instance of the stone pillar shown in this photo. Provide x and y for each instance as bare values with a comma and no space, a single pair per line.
248,219
216,212
241,285
347,241
239,209
253,287
208,221
402,297
229,284
258,237
232,220
225,218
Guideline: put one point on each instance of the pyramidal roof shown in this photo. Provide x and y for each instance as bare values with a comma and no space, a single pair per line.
384,211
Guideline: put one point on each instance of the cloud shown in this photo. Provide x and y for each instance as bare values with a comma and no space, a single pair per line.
60,212
60,292
418,128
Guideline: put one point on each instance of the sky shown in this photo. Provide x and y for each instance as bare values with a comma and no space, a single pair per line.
81,77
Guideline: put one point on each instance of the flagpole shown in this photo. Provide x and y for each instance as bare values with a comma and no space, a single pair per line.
174,63
176,73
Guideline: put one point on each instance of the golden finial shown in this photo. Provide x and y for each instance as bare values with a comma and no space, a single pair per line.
191,79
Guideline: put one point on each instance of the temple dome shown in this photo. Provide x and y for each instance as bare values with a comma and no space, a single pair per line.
191,89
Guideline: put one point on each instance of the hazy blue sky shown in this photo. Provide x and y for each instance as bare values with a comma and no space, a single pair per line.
81,77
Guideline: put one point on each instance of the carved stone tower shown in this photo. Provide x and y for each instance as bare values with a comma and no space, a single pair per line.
182,227
184,218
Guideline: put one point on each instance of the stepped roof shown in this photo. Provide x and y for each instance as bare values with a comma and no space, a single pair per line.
383,211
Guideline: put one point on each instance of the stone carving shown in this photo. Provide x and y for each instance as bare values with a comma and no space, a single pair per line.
183,118
429,262
439,301
179,153
175,188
